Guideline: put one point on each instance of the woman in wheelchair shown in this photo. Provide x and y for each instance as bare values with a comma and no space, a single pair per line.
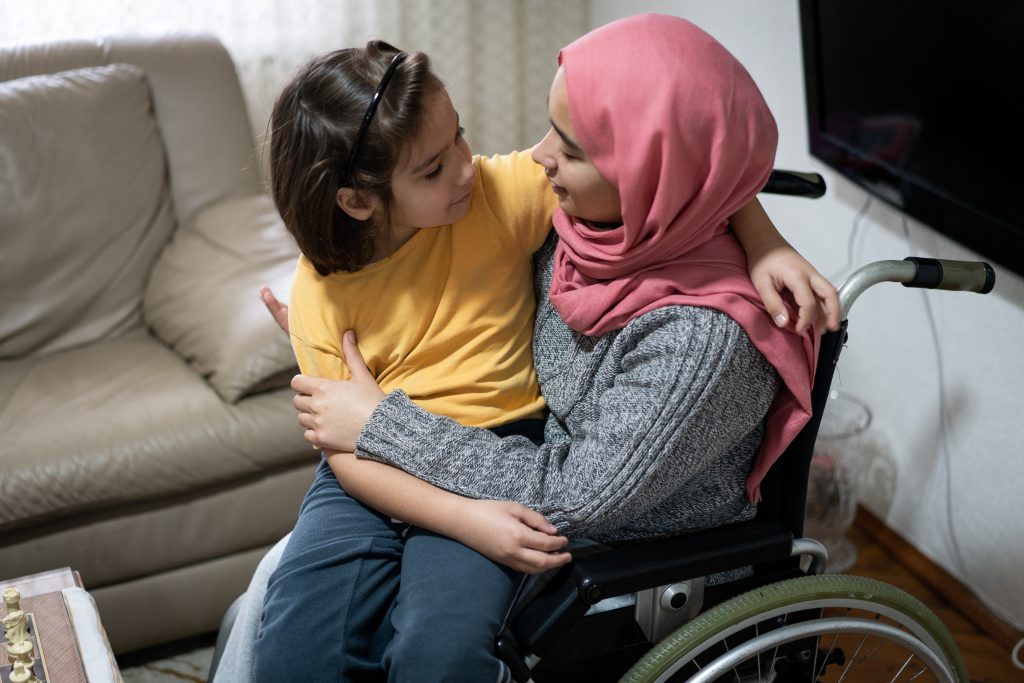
671,389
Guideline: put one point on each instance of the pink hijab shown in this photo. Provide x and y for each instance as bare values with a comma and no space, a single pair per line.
671,119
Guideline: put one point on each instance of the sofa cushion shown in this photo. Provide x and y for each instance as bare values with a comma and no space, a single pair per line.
203,297
124,421
84,206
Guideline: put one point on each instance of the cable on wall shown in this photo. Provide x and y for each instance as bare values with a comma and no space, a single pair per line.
852,240
943,443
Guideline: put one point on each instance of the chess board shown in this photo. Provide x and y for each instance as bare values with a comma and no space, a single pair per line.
51,628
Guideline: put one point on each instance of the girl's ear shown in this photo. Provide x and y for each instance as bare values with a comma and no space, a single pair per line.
354,205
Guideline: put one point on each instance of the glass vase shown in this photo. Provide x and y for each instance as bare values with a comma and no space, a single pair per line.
832,487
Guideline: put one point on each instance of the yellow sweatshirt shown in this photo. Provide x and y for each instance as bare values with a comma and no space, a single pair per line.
448,317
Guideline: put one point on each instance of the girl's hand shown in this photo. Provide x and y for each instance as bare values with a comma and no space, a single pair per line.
513,535
334,411
278,310
783,268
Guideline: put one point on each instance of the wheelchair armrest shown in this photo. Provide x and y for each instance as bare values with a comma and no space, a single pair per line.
634,567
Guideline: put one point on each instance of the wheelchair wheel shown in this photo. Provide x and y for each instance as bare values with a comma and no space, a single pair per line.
815,629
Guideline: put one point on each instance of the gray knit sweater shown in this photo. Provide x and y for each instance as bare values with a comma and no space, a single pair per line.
652,428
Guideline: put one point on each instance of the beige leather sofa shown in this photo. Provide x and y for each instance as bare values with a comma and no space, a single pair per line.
147,437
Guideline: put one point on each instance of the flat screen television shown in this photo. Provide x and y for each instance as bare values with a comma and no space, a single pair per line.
920,103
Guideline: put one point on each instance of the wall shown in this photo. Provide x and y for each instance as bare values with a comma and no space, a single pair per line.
948,482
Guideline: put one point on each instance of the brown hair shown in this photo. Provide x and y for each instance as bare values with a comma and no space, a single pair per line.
313,125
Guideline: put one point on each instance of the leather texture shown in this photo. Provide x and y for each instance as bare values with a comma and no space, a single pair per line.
147,437
215,261
64,218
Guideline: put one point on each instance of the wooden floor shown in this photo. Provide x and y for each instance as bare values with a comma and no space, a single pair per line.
985,641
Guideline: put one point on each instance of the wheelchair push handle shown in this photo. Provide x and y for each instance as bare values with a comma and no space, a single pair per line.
913,271
957,276
795,183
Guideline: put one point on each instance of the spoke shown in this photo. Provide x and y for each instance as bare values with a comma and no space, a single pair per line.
832,646
853,657
775,652
917,675
902,668
814,667
757,632
735,673
854,664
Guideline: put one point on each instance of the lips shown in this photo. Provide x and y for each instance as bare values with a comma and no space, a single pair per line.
559,190
464,197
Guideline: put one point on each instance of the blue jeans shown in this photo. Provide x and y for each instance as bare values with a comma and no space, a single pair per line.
358,597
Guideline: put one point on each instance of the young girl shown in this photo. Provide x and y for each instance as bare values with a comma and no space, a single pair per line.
446,314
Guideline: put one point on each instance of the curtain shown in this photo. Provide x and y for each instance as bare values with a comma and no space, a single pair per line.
496,56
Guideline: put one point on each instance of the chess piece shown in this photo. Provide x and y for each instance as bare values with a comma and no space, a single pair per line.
16,631
12,598
23,673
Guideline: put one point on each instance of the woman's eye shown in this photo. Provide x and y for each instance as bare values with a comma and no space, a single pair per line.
461,133
436,172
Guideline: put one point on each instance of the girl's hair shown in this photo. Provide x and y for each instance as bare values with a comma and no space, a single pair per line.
313,127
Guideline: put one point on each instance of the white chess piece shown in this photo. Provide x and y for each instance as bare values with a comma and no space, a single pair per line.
23,673
12,598
16,631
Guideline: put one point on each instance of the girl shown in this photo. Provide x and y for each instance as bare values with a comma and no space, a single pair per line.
331,610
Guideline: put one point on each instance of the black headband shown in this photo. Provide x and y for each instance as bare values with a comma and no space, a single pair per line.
370,111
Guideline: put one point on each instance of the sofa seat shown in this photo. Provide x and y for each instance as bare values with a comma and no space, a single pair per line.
111,440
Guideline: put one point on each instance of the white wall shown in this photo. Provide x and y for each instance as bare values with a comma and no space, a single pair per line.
972,523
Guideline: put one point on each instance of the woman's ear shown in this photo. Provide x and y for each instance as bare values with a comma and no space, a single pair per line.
354,205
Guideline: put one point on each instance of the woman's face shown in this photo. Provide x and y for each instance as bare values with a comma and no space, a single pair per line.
581,190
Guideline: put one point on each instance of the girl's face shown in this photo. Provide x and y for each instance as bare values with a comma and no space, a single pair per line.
581,190
433,182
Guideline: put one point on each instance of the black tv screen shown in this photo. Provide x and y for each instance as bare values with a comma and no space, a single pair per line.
920,103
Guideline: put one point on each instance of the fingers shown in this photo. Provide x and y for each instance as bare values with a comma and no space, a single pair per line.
807,303
829,298
534,562
773,304
305,384
303,403
534,519
353,357
277,310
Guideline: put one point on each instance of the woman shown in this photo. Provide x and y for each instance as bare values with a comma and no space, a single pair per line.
671,390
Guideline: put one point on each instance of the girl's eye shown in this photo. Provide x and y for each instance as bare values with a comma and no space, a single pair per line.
570,156
436,172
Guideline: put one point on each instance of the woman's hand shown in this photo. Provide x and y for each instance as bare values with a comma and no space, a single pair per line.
782,268
513,535
334,411
278,310
775,266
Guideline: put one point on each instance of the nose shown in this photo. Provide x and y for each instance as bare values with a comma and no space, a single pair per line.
541,153
465,162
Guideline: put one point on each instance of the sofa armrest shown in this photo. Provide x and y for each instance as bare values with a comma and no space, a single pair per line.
203,301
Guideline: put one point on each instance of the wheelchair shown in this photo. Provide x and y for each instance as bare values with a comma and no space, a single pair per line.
748,602
645,612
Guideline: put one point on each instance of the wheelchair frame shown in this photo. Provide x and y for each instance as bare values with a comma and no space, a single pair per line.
665,574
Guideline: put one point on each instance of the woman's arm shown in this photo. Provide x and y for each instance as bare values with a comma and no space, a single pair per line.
775,266
690,388
505,532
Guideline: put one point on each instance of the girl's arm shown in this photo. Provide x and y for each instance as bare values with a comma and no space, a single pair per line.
690,388
775,266
505,532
